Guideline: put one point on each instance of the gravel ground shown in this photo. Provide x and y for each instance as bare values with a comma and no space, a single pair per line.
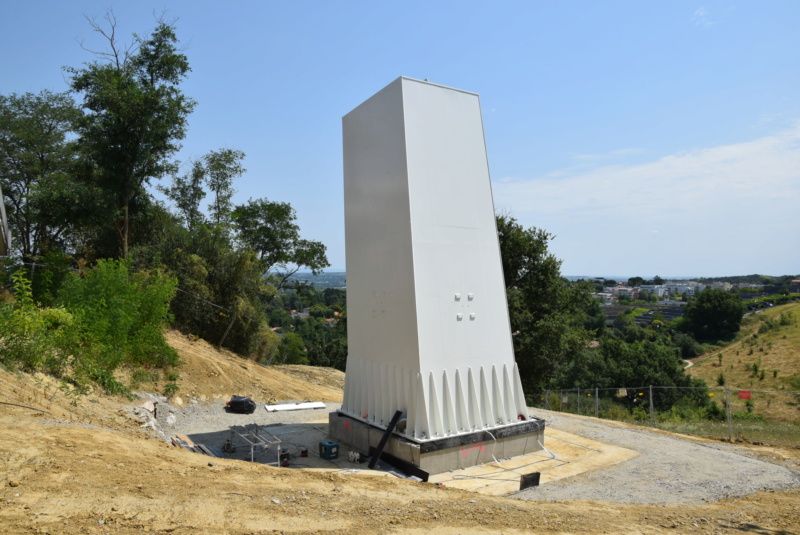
199,418
668,469
209,423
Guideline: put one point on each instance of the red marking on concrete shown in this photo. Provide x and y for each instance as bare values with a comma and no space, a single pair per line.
479,446
347,425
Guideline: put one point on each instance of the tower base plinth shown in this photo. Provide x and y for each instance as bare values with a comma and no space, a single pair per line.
445,454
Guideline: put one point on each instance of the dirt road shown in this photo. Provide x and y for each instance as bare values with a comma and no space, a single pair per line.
668,469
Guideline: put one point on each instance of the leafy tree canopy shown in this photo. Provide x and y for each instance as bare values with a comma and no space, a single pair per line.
36,157
545,311
269,229
714,314
135,115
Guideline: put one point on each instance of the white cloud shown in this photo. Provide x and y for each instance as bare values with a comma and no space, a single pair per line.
619,153
702,17
697,203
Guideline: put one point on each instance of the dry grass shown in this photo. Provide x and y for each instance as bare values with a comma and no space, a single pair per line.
775,352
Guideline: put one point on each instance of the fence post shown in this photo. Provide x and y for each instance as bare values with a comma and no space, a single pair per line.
729,413
596,402
546,399
652,417
579,400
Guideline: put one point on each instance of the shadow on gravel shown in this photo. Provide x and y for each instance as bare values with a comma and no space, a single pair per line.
299,444
753,528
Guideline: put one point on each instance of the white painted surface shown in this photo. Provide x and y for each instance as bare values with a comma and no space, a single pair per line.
295,406
428,326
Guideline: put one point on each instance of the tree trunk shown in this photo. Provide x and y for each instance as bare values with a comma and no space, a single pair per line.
125,231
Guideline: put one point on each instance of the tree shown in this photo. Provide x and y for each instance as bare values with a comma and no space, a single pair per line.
269,229
545,311
714,314
217,170
291,350
221,168
135,115
635,281
36,157
187,192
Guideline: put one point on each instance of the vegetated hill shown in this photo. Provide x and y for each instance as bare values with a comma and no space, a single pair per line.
764,357
768,280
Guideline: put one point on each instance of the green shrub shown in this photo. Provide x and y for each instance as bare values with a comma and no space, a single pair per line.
121,316
107,318
170,389
715,412
30,336
142,376
748,416
118,319
615,411
640,414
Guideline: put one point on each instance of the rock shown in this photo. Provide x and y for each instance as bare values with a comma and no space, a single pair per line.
149,406
13,483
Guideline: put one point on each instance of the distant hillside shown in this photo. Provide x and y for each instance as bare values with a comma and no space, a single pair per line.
338,279
323,280
767,280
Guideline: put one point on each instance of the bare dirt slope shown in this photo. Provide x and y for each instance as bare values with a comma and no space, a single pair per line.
89,468
208,373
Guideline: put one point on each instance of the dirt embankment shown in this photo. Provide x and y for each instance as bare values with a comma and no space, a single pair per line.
90,468
207,373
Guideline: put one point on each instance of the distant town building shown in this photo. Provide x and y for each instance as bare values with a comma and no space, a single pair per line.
721,286
605,298
656,289
688,288
632,293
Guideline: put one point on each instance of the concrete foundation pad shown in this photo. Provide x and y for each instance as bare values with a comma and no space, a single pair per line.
567,455
446,454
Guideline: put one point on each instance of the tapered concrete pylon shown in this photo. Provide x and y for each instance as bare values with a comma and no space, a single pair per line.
428,326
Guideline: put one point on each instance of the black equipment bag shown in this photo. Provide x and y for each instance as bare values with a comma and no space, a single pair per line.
241,405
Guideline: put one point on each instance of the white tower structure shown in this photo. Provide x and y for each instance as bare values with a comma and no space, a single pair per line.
428,325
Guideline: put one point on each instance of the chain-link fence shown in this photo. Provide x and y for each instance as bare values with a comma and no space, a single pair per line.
755,415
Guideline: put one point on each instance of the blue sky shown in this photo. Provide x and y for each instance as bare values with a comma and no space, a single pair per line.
652,138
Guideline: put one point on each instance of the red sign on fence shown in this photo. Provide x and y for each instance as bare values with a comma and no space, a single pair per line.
744,394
